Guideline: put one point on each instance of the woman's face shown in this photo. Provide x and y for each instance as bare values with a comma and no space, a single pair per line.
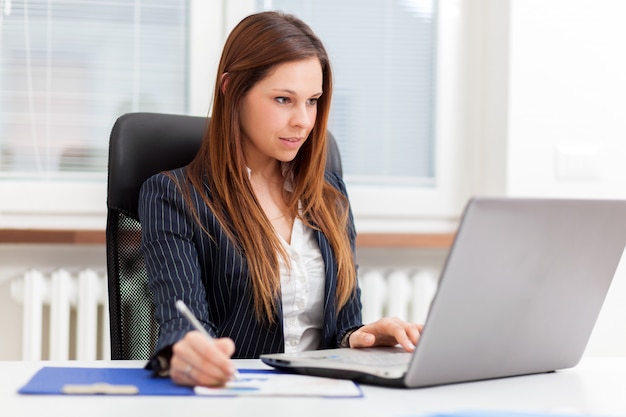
279,112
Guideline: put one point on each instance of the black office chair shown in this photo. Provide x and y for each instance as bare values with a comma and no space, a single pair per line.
141,145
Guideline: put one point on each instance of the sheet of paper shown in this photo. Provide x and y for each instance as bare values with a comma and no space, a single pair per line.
278,384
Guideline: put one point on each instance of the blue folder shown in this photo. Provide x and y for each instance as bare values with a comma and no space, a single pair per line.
52,380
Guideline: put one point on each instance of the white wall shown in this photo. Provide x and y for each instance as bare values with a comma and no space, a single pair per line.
567,89
566,117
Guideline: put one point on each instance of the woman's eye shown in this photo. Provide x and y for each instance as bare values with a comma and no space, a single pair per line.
282,100
312,101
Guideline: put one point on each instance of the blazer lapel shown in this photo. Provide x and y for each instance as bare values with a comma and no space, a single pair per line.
330,287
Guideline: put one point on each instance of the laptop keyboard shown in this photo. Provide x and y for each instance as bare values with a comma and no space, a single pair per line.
379,358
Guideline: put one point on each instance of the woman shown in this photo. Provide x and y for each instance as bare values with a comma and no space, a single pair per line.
254,236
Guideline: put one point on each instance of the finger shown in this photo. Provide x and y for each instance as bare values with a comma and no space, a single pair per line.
360,339
414,331
189,375
218,357
184,373
393,331
406,334
401,336
209,359
214,361
181,372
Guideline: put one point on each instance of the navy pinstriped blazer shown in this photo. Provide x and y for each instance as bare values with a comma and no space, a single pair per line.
211,276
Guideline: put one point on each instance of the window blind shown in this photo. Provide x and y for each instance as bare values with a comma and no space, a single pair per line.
68,69
383,57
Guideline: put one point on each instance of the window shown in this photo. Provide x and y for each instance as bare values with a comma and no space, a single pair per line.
68,69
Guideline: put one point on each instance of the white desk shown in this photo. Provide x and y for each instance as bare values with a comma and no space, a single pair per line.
597,386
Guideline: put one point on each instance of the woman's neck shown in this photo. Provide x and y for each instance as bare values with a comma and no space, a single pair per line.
268,186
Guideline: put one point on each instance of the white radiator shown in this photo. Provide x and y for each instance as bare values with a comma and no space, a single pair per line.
391,292
59,294
397,292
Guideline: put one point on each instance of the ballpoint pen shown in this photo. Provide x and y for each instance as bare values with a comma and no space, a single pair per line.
182,307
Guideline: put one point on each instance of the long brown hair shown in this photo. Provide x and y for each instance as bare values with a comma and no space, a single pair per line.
254,47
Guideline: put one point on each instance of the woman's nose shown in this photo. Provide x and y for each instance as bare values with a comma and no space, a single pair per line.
302,117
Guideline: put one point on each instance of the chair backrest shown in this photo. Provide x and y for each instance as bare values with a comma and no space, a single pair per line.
141,145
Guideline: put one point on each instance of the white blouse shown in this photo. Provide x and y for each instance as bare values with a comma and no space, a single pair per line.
302,285
302,288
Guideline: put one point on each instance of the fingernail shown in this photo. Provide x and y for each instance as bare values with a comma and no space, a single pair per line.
234,374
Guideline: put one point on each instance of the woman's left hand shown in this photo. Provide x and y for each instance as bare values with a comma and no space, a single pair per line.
387,332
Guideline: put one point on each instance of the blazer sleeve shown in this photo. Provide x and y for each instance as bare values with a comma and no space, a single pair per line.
171,258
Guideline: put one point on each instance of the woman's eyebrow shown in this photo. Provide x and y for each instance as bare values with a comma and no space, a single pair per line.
286,90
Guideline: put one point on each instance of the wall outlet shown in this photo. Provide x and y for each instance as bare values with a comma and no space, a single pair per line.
577,162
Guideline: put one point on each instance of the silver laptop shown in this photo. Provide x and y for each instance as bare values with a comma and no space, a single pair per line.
519,294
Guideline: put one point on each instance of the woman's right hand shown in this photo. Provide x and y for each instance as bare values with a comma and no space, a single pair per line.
197,360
